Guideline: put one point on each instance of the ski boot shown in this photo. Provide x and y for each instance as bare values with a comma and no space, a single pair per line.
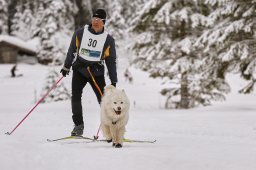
78,130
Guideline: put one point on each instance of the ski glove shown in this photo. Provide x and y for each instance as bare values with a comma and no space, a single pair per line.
64,71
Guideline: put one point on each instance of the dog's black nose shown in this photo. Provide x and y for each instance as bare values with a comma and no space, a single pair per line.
118,108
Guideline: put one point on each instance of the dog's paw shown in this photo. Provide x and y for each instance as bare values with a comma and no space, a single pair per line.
118,145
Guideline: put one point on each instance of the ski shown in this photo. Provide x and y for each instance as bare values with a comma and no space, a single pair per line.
138,141
100,140
75,137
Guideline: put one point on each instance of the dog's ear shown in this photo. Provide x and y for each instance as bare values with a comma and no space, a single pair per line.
108,89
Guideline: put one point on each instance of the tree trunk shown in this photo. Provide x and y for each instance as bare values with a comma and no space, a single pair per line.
184,101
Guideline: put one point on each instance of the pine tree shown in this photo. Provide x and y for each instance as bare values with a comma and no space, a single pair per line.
116,24
59,93
130,9
23,22
164,48
56,23
3,17
231,35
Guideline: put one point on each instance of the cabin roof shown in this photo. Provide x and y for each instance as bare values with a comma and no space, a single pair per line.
23,46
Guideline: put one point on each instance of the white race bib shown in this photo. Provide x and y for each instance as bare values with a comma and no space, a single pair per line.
92,45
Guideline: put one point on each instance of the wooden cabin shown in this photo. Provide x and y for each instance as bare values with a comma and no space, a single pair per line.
11,47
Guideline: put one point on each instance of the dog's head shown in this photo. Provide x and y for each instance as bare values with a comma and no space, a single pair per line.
117,100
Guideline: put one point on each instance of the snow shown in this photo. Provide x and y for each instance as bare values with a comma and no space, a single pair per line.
221,136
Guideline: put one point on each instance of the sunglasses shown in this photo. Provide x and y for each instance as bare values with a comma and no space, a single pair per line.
97,19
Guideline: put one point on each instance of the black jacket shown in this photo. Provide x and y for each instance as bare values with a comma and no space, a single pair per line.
97,68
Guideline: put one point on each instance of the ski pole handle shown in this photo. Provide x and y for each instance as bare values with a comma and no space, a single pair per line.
55,84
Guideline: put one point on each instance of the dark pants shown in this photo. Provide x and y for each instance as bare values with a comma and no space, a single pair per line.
78,83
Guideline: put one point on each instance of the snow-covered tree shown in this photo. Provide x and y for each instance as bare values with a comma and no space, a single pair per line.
56,22
232,36
23,22
59,93
116,24
3,17
167,31
131,8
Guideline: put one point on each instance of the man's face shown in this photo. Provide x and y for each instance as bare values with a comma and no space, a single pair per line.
97,24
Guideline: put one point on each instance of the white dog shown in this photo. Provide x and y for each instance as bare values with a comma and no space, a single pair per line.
114,114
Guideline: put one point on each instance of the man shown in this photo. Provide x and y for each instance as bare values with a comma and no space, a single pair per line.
13,70
90,46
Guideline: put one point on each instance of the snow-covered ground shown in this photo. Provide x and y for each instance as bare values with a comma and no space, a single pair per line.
218,137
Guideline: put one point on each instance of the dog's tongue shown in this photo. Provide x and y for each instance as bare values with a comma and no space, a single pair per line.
118,112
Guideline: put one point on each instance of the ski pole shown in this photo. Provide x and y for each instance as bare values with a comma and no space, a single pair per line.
96,85
55,84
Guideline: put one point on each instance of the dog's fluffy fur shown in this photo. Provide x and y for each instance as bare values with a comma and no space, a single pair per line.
114,114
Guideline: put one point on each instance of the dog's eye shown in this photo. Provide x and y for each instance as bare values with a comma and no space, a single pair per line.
122,102
114,102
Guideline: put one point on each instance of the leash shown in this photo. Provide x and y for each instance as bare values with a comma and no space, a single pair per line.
95,83
98,88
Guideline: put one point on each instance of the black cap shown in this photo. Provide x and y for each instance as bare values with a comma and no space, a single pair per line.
100,13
